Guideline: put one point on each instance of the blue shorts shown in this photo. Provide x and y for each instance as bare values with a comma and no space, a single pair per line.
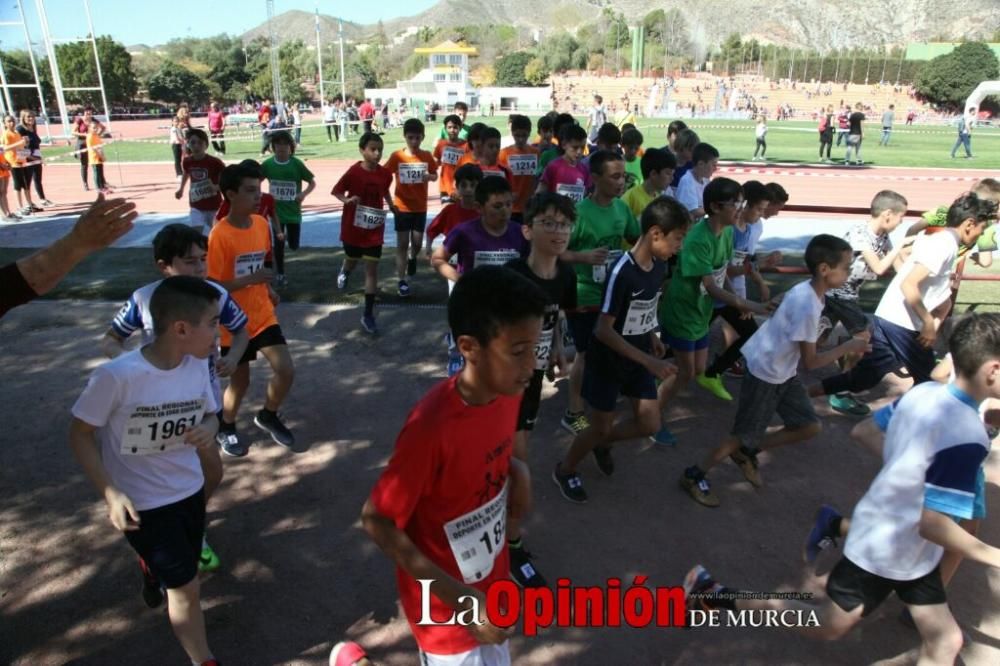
582,325
682,345
604,381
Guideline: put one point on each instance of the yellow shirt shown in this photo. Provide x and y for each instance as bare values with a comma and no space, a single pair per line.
637,199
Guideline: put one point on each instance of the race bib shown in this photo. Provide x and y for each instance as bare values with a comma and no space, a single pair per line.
574,192
22,154
451,155
366,217
543,350
202,189
249,263
154,429
283,190
493,173
739,258
477,537
641,317
493,257
523,165
600,272
718,277
412,173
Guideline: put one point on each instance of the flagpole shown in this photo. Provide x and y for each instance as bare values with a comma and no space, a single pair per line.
319,61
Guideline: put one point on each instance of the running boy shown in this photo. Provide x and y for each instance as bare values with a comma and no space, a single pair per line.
548,222
202,171
182,250
770,384
691,189
237,249
362,189
657,171
285,174
460,111
522,160
451,480
907,520
95,155
463,209
134,432
485,153
625,355
413,169
565,175
448,152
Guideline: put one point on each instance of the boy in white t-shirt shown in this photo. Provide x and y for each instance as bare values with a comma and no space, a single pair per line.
904,523
770,384
691,187
134,431
915,303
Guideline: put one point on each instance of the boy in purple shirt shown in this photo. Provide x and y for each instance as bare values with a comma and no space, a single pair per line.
566,174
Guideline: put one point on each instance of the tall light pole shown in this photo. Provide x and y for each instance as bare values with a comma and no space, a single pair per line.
319,61
343,81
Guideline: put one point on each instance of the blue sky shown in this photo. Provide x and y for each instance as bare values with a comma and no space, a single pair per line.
158,21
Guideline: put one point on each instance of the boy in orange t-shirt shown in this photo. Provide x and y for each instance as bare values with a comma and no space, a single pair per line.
448,152
413,168
522,160
486,153
238,246
95,155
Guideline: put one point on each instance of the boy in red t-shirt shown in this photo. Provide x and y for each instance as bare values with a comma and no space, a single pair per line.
522,161
362,226
448,152
202,171
463,209
452,469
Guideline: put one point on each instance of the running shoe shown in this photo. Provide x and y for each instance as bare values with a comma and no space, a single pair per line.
605,463
846,404
280,280
714,386
570,486
230,443
368,323
574,424
271,423
208,560
341,281
152,591
737,370
522,570
404,289
347,653
664,437
411,266
46,202
746,460
821,536
698,487
37,209
699,586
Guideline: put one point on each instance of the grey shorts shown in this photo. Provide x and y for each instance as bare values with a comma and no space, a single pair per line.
846,311
760,400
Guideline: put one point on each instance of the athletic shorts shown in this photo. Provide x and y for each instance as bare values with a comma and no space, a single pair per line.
846,311
605,380
582,324
683,345
410,222
169,539
760,400
850,586
373,253
531,400
202,219
20,178
269,337
481,655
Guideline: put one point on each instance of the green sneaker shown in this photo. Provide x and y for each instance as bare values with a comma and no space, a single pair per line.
846,404
714,386
208,561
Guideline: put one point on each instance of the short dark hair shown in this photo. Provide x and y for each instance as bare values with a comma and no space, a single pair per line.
825,249
175,240
719,191
546,123
609,134
468,172
196,133
627,126
888,200
180,298
975,340
232,177
413,126
599,158
572,133
666,213
631,137
252,165
488,298
561,120
777,192
475,131
454,120
656,159
284,137
973,206
704,152
367,138
675,127
490,133
487,187
520,123
543,201
755,191
461,105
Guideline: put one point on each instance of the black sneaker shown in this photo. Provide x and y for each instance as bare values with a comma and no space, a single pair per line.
230,443
570,486
605,463
271,423
411,266
522,570
152,591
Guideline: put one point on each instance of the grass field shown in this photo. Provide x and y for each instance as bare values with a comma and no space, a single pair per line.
794,142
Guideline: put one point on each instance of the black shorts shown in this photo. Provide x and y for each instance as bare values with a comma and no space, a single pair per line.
582,325
269,337
850,586
370,253
608,375
21,178
169,539
411,222
846,311
531,400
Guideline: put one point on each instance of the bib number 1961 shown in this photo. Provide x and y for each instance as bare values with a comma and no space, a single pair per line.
158,428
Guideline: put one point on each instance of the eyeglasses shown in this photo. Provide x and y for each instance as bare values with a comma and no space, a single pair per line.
552,226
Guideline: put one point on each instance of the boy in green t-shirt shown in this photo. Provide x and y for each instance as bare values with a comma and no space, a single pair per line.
631,145
603,224
657,171
285,174
982,253
700,278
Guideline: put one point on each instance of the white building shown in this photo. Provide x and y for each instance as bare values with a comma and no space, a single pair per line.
444,81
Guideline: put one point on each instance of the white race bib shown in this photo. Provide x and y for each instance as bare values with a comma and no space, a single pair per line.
366,217
600,272
574,192
249,263
477,537
451,155
718,277
543,350
641,317
523,165
493,257
200,190
739,258
22,154
283,190
412,173
154,429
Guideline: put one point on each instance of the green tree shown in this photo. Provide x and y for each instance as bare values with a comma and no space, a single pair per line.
536,73
510,69
78,69
174,84
949,79
17,67
559,52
